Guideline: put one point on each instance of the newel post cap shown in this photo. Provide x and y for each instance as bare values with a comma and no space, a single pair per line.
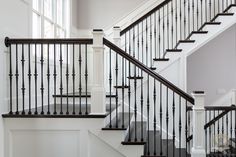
199,99
98,35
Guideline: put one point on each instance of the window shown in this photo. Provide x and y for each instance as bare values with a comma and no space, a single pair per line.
49,21
49,18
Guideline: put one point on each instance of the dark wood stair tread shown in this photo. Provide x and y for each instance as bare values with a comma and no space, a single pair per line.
161,59
78,95
77,108
179,152
135,77
199,32
130,138
153,68
225,14
173,50
186,41
119,122
212,23
121,87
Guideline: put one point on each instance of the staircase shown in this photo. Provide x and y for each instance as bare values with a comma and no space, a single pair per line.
139,106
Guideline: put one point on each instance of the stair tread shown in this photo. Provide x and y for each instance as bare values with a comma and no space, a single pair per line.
225,14
58,106
186,41
135,77
153,68
130,139
161,59
199,32
179,152
121,86
77,95
212,23
119,122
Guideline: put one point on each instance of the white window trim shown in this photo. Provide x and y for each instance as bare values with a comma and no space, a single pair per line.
65,22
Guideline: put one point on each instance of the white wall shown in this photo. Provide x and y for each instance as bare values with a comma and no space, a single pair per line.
212,67
15,21
15,24
56,138
103,13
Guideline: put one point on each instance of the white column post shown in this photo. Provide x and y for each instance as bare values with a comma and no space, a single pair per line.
198,149
98,91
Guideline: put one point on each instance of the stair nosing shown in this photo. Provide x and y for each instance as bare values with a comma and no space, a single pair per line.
161,59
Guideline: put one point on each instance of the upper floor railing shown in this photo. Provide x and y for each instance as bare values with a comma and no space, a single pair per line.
169,24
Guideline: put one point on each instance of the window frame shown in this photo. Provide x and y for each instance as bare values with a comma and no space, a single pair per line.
40,12
64,27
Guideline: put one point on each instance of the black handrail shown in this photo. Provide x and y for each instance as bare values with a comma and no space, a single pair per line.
9,41
226,110
148,71
213,108
144,16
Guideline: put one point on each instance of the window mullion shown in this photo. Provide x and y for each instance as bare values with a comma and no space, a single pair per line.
55,17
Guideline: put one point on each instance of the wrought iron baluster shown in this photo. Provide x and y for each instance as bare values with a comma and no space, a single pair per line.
116,75
67,79
148,120
129,90
10,76
110,84
80,79
29,76
42,82
35,79
173,119
17,81
163,30
193,15
180,124
154,119
48,79
61,83
161,123
55,79
73,76
172,24
23,79
86,79
167,119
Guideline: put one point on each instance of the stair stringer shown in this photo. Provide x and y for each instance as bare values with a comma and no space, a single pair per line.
113,138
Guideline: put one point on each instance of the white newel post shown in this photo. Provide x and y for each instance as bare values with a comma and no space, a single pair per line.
116,35
98,91
198,149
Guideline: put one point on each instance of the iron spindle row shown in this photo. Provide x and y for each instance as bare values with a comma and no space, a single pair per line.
146,94
47,59
219,129
172,22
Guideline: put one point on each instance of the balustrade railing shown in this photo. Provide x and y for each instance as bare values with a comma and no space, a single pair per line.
48,76
150,106
220,129
172,22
